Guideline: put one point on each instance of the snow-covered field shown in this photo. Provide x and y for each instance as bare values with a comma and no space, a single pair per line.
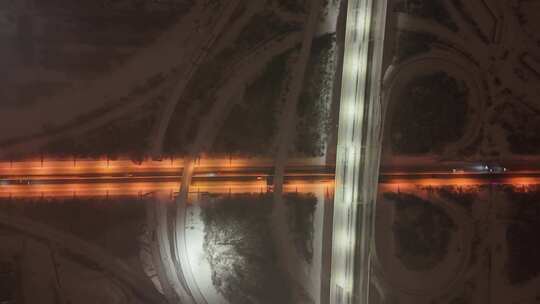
201,267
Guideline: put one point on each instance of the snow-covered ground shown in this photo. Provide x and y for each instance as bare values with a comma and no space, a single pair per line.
314,271
475,268
497,50
329,23
201,266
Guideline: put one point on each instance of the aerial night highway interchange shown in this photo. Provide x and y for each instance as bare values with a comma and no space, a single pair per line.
269,151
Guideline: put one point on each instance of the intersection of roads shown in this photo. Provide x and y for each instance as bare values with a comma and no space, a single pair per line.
353,180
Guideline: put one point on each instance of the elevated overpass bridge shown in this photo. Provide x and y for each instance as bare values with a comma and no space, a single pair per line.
358,152
357,169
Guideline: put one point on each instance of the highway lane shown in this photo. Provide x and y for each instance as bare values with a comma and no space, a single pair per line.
142,187
460,180
65,177
506,177
168,165
252,180
74,168
266,174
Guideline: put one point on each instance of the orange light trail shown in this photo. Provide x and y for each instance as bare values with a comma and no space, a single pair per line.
141,188
52,167
127,182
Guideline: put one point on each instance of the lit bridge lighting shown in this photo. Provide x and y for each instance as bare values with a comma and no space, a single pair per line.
358,152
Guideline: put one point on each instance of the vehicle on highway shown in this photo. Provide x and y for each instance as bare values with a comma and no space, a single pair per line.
485,168
210,174
496,168
18,181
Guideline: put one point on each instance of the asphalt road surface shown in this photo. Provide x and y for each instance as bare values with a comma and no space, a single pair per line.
94,178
